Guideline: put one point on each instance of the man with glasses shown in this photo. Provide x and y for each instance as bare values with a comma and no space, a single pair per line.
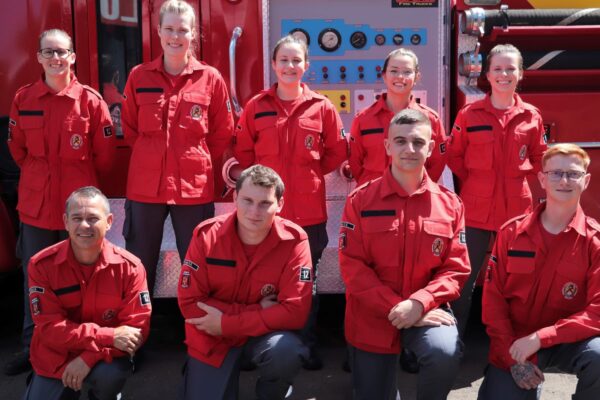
60,135
541,299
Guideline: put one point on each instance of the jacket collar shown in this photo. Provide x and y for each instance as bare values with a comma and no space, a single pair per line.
307,94
107,254
73,89
193,65
229,228
390,186
528,224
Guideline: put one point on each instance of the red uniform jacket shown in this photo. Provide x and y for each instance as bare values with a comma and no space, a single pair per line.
552,291
370,126
217,272
60,141
492,160
74,317
176,131
395,247
301,147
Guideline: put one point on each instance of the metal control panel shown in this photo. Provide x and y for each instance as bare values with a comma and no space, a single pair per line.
348,41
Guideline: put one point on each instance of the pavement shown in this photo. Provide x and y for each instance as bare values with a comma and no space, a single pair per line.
159,376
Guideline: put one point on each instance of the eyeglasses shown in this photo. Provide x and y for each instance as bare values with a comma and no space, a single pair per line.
556,175
49,53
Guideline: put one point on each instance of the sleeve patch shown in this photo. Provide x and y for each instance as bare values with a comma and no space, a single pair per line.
9,135
36,307
228,103
493,260
36,289
185,279
442,147
456,128
342,241
12,122
108,132
145,299
347,225
191,264
462,237
305,274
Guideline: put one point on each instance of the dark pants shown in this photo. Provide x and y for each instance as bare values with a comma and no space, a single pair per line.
317,239
438,351
478,241
143,230
104,382
31,241
278,356
580,358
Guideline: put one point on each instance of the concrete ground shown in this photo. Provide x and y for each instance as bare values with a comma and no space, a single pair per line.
160,374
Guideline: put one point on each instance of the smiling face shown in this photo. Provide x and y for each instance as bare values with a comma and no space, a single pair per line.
564,191
409,146
289,64
56,67
87,222
176,32
400,75
504,72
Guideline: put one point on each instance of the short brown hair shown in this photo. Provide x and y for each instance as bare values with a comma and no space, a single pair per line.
402,52
567,149
87,192
503,49
409,116
289,39
261,176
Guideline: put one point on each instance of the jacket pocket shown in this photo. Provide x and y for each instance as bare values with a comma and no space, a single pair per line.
34,176
520,277
381,240
75,139
195,171
145,168
267,138
193,116
150,113
33,129
480,151
435,241
568,290
309,196
309,141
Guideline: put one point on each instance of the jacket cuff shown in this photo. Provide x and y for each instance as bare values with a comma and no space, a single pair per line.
228,325
548,336
105,337
425,298
91,358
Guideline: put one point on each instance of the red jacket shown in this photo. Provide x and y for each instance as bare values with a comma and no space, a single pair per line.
301,147
395,247
217,273
552,291
177,132
60,141
492,160
74,317
370,126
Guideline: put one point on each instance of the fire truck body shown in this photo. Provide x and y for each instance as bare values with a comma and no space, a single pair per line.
348,41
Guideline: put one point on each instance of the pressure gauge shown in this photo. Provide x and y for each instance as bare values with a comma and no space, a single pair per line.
301,34
330,39
358,40
398,39
380,39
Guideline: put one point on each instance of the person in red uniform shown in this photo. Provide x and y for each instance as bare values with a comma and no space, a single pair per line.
299,134
61,137
541,296
403,258
245,284
367,158
90,304
496,143
177,117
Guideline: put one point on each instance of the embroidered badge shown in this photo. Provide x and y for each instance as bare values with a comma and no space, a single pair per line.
76,141
437,247
488,273
12,122
108,314
108,132
523,152
462,237
36,308
268,289
190,264
442,147
305,274
342,241
309,142
196,112
144,298
36,289
347,225
185,279
569,290
228,106
457,128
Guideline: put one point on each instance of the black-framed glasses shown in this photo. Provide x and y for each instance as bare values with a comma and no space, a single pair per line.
49,53
556,175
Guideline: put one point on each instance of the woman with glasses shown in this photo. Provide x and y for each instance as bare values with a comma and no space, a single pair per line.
367,154
496,143
177,117
61,136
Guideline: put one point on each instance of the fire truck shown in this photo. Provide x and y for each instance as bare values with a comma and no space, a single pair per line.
348,41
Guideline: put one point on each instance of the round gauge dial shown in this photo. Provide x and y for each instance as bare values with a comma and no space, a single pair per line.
380,39
301,34
358,40
330,39
398,39
415,39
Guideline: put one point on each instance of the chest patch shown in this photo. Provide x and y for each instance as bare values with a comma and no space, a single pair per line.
76,141
569,290
523,152
108,314
267,290
196,112
309,142
437,247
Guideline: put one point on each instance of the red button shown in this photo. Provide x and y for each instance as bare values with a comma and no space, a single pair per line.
343,69
361,97
378,68
342,97
360,68
324,69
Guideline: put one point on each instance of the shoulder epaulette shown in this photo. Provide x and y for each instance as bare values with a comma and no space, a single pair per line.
92,90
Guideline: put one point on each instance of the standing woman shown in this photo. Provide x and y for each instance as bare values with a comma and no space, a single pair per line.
496,143
177,117
61,136
367,153
299,134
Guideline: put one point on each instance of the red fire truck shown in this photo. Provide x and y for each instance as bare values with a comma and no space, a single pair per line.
348,40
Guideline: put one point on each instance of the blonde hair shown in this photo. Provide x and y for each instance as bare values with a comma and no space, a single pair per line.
180,7
503,49
402,52
59,33
567,149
